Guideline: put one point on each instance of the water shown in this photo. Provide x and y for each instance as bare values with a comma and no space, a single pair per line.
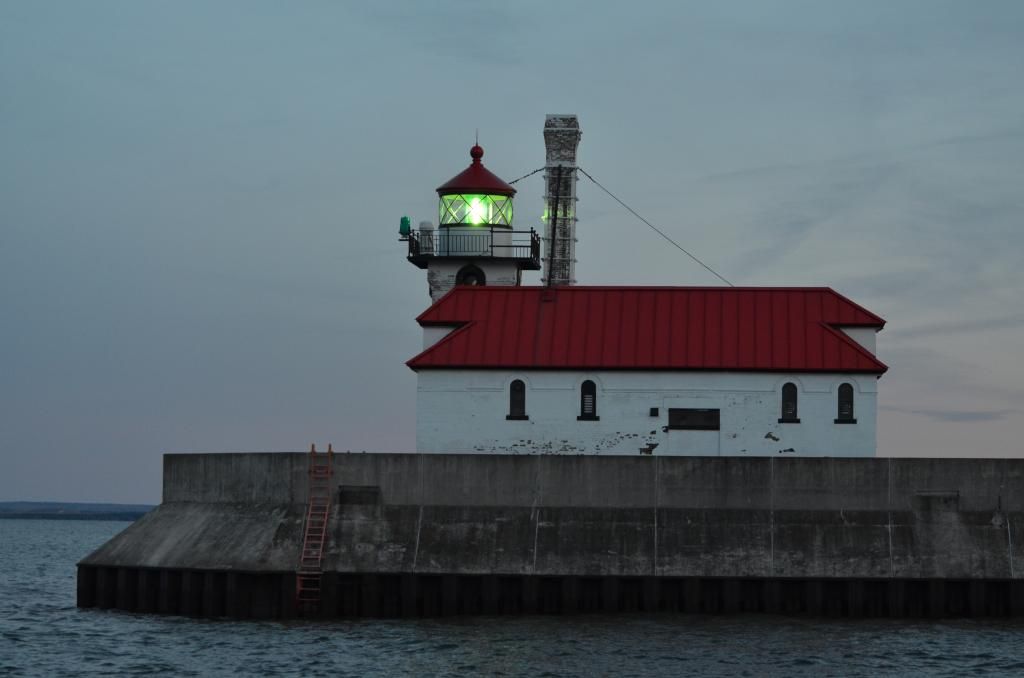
43,633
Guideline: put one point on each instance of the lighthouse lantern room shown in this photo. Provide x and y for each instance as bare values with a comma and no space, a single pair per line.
474,243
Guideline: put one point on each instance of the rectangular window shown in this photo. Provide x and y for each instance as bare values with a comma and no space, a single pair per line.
693,419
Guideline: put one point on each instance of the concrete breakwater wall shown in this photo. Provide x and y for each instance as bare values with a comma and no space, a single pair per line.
432,534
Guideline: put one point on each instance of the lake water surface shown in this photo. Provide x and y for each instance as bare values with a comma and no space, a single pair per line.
43,633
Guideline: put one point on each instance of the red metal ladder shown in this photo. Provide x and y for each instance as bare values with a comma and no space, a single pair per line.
308,577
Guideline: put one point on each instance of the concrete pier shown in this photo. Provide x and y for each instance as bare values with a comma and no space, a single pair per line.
427,535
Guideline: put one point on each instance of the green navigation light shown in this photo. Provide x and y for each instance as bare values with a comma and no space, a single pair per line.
475,209
476,212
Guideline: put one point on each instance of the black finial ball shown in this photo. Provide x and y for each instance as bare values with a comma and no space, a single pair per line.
476,152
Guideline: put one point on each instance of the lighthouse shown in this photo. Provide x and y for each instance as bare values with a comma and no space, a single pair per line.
730,371
474,242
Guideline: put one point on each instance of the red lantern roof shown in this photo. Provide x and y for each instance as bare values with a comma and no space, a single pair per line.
476,179
751,329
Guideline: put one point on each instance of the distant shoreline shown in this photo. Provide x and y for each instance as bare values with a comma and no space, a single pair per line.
128,517
39,510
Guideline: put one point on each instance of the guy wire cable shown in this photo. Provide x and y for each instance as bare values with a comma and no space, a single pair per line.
655,228
539,169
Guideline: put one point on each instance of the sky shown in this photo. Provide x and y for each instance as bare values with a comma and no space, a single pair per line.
199,202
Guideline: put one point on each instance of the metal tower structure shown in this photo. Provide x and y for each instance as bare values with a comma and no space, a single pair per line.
561,138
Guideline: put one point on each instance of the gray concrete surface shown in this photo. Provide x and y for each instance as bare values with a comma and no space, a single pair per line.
591,515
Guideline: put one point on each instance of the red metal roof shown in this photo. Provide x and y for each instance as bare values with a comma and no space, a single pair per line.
649,328
476,179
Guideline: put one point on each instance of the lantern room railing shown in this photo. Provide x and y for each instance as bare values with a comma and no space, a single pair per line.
476,242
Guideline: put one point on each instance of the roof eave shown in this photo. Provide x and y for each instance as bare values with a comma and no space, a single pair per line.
549,368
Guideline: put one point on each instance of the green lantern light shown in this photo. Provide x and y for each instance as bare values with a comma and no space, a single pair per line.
475,198
475,210
404,227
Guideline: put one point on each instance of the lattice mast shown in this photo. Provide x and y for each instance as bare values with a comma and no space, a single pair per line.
561,138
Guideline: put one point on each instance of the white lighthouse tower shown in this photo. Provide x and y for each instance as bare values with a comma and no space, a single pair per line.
474,242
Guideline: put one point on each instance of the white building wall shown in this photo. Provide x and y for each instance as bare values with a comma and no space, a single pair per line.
435,333
442,272
865,336
464,411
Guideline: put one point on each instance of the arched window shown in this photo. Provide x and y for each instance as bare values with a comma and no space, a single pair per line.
845,413
789,411
470,275
517,400
588,402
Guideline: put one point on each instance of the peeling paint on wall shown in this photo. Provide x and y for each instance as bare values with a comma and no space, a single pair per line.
464,411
